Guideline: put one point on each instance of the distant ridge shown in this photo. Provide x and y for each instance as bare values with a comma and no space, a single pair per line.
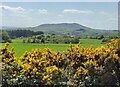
9,27
63,28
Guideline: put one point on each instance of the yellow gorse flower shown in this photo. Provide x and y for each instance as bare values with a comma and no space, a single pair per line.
75,63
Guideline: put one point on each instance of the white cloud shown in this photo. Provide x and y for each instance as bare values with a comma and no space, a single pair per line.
42,11
103,13
77,11
60,15
12,9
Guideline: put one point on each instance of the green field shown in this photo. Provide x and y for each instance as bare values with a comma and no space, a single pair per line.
20,47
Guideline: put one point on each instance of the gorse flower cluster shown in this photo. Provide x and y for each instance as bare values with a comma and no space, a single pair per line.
76,66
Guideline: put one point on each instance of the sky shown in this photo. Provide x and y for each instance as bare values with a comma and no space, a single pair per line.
97,15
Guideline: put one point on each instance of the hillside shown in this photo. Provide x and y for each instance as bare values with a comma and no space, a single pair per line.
61,27
72,28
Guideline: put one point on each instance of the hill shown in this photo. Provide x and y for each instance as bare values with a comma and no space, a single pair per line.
71,28
61,27
74,29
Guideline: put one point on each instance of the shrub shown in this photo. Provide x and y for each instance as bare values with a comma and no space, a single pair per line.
75,67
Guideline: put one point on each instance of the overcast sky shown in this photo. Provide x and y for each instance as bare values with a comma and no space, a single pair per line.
101,15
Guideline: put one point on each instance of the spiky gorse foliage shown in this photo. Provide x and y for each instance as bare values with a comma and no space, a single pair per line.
76,66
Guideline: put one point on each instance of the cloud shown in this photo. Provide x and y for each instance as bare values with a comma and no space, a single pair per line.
77,11
103,13
60,15
12,9
42,11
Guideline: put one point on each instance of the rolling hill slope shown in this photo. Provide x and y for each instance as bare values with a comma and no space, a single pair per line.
72,28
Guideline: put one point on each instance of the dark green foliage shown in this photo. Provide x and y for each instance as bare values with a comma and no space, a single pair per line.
23,40
5,37
42,40
52,38
101,37
22,33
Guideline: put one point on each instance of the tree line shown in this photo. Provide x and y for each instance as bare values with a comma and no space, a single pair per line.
7,35
51,38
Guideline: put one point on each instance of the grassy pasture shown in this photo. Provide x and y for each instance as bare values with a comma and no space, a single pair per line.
20,47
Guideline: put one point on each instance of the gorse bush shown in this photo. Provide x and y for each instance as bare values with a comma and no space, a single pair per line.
75,67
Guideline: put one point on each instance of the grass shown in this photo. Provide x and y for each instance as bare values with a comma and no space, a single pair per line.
91,42
20,47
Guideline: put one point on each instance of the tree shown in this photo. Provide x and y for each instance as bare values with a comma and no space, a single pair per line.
22,33
101,37
34,40
75,40
29,40
23,40
39,37
5,37
42,40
